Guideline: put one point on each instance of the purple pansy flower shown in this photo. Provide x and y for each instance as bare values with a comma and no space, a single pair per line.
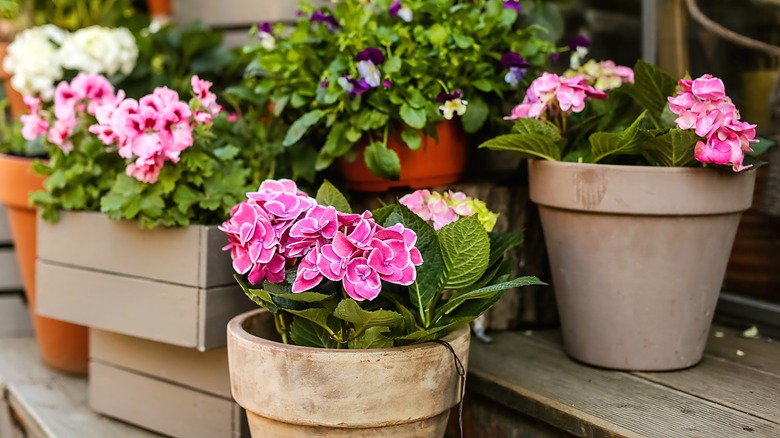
321,17
396,10
513,59
444,96
554,57
368,61
352,86
264,27
324,84
513,4
579,41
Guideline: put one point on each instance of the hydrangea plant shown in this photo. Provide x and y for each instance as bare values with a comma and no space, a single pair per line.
359,72
604,113
337,279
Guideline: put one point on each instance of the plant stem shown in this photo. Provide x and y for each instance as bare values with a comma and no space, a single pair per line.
281,327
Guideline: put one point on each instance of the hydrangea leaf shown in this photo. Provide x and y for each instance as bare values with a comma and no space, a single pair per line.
651,88
464,264
350,311
673,149
627,142
308,334
373,337
487,292
329,195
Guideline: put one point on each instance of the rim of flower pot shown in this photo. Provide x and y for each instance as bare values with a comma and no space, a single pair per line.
638,168
639,190
236,329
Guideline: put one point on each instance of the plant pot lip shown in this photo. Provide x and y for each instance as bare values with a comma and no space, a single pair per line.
635,168
130,221
17,158
236,330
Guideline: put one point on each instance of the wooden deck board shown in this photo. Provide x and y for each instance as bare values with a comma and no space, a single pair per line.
50,404
533,375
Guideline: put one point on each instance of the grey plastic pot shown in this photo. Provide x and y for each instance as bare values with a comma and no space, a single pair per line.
300,392
638,256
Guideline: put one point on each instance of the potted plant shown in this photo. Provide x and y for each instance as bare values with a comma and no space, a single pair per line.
387,89
354,302
640,194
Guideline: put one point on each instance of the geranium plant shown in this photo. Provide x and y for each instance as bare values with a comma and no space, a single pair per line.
337,279
640,116
158,159
359,72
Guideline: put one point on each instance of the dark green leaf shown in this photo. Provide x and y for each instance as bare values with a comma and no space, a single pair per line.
503,242
651,88
476,115
414,117
373,337
350,311
673,149
464,263
412,138
382,161
485,292
627,142
299,127
308,334
329,195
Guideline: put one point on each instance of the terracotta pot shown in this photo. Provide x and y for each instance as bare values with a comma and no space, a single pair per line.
295,392
434,164
159,8
638,256
63,346
15,99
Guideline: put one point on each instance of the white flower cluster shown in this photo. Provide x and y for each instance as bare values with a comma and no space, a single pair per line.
33,61
37,57
100,50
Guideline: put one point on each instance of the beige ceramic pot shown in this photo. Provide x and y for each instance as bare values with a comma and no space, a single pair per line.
296,392
638,256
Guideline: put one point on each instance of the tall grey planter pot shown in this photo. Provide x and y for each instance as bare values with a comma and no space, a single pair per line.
638,256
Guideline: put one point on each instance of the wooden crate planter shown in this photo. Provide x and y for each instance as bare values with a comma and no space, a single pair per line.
9,270
172,390
173,286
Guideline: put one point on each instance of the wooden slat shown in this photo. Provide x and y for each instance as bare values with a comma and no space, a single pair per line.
537,379
727,383
5,228
232,12
14,316
204,371
152,310
190,256
50,404
9,270
217,306
762,354
161,406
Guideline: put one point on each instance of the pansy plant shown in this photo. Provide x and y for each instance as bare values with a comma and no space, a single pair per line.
356,73
337,279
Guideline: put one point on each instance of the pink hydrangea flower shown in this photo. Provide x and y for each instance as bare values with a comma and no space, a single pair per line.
439,209
324,243
702,105
551,94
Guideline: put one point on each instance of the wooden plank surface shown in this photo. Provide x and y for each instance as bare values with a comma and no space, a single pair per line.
534,376
761,353
233,12
217,306
14,316
5,227
205,371
49,404
161,406
147,309
91,240
9,270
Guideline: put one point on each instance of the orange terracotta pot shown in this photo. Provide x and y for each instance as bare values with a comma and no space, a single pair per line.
63,345
434,164
160,8
15,99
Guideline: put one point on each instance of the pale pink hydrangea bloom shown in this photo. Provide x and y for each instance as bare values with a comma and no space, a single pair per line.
326,244
439,209
606,75
550,94
702,105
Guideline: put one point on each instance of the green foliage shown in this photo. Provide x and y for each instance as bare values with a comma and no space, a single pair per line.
449,45
464,272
